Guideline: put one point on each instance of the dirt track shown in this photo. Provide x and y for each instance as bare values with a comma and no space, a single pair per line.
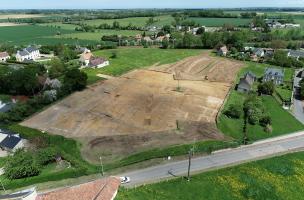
144,108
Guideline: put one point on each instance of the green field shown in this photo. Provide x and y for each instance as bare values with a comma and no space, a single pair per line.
214,22
279,178
135,21
282,121
134,58
96,36
34,34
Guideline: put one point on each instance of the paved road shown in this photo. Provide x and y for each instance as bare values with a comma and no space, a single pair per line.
220,159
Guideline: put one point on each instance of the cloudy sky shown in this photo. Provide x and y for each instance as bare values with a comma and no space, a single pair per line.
104,4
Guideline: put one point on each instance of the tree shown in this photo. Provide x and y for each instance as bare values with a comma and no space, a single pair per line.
74,80
234,111
265,121
200,31
266,88
57,68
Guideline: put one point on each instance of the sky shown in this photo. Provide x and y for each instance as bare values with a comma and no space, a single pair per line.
118,4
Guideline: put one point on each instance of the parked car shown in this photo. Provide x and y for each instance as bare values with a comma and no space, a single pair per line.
124,180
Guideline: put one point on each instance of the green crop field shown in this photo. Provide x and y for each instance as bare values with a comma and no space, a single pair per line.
133,58
96,36
137,21
279,178
34,34
214,22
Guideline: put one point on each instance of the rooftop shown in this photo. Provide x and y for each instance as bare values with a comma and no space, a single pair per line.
104,189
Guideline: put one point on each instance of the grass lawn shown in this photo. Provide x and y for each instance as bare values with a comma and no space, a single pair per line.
214,22
282,121
259,180
134,58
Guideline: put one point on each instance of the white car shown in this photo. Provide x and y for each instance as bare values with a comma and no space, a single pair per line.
124,180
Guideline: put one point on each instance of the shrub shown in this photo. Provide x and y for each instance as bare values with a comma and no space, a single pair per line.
21,165
265,120
46,156
234,111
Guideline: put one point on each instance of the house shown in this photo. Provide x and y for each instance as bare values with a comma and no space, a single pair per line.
4,56
297,54
10,141
275,75
97,62
28,54
246,82
259,52
138,37
292,25
85,58
82,50
222,51
104,189
5,107
147,39
269,52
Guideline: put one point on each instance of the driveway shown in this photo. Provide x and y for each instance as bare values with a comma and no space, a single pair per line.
230,157
298,105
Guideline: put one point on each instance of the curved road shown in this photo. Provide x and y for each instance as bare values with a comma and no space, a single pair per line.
220,159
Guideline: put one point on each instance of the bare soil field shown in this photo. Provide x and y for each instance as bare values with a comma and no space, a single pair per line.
144,108
19,16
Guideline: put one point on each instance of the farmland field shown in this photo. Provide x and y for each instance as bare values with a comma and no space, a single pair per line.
276,179
33,34
19,16
214,22
145,108
137,21
96,36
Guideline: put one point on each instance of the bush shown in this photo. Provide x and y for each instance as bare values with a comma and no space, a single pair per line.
46,156
21,165
265,120
234,111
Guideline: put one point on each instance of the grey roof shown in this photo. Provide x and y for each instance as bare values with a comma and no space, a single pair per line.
249,73
23,53
258,50
31,49
296,53
7,107
10,141
274,72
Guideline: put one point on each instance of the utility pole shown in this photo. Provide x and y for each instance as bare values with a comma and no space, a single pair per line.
101,166
189,165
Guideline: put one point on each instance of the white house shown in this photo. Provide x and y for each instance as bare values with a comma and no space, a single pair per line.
85,58
29,53
4,56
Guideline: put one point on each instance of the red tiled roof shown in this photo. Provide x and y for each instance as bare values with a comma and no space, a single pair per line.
3,54
104,189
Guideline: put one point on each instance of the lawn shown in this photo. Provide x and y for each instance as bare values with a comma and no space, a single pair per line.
214,22
258,180
282,121
135,58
